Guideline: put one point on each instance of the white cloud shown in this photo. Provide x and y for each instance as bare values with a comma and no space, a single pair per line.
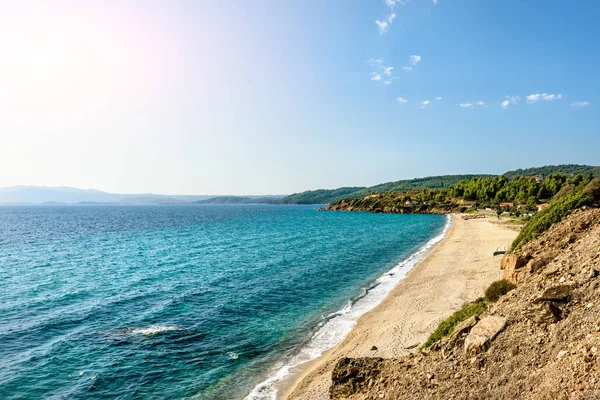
532,98
480,103
406,68
383,26
580,104
514,100
414,59
401,100
382,72
435,2
425,103
438,98
466,105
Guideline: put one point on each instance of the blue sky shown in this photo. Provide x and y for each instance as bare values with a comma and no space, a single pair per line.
238,97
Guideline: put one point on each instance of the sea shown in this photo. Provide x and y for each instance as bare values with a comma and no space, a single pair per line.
187,301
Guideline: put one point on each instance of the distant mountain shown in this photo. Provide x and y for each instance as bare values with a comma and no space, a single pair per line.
69,195
321,196
241,200
328,196
567,169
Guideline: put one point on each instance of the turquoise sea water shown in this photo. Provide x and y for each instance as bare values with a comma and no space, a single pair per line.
185,301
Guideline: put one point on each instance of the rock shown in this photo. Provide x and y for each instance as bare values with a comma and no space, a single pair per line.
349,374
457,337
561,354
593,273
543,313
551,271
374,348
561,294
478,340
510,263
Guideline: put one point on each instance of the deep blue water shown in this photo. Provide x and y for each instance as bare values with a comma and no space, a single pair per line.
178,301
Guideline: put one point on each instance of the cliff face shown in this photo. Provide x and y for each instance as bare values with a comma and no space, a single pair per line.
539,341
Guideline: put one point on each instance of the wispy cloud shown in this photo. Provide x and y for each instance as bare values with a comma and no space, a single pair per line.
414,59
425,103
533,98
435,2
383,26
381,71
408,69
477,104
438,98
401,100
508,100
580,104
385,23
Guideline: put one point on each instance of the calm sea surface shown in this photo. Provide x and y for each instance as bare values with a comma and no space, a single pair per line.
183,301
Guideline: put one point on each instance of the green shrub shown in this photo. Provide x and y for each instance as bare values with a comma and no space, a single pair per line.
448,325
498,289
592,190
555,212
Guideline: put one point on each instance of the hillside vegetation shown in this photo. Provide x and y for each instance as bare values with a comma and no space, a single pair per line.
330,196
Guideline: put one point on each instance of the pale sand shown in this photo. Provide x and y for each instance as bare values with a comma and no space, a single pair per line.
456,271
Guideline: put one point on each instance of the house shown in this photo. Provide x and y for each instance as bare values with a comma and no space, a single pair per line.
507,204
538,178
540,207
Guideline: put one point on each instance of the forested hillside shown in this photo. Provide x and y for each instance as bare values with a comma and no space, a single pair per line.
567,169
330,196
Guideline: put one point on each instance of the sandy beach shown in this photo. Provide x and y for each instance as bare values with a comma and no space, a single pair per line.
456,271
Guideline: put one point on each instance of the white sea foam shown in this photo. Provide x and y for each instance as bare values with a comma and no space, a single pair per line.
338,324
153,330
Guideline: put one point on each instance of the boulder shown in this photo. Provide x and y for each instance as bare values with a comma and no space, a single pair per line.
543,313
461,330
479,338
511,263
560,293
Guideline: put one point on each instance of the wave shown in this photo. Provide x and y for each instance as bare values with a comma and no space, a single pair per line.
152,330
335,326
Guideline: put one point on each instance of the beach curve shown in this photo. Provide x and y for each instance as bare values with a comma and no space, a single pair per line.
454,272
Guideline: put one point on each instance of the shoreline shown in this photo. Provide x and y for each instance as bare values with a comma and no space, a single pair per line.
340,323
453,272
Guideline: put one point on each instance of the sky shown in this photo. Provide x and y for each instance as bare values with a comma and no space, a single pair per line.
276,97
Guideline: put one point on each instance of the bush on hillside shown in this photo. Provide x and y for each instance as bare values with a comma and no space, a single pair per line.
592,190
498,289
448,325
555,212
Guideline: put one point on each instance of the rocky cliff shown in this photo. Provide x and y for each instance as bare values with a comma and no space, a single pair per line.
539,341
